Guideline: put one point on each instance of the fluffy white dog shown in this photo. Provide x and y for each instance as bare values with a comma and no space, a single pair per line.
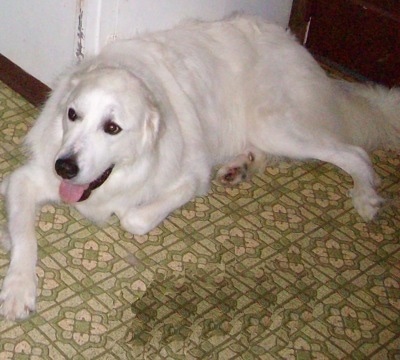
137,130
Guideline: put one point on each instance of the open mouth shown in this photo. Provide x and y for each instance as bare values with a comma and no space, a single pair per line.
71,193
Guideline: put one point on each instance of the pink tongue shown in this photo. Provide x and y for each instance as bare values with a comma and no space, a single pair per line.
71,193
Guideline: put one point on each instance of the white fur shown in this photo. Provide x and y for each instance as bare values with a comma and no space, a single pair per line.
188,99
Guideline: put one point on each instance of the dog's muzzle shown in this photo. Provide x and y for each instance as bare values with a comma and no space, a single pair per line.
67,169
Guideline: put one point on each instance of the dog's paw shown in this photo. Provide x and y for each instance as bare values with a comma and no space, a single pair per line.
238,170
139,222
367,203
18,296
232,175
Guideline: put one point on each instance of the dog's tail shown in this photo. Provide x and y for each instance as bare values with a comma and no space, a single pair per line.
372,114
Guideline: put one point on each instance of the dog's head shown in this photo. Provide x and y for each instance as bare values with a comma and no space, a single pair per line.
109,119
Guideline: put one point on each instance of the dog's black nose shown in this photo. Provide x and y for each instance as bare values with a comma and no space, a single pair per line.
67,168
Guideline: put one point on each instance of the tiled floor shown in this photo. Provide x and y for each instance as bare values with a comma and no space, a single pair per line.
279,268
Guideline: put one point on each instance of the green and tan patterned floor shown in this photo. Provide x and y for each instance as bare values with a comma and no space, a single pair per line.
279,268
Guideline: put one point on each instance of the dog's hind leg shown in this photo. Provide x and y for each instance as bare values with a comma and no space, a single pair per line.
352,159
242,167
356,162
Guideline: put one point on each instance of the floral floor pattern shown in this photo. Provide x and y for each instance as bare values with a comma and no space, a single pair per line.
281,267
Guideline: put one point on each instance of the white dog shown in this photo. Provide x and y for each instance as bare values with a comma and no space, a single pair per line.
137,130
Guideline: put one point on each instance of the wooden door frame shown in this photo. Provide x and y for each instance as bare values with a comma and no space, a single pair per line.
299,18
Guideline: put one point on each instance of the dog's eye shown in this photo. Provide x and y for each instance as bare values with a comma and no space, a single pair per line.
72,115
111,128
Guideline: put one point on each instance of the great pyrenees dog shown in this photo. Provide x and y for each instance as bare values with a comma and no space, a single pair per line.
137,130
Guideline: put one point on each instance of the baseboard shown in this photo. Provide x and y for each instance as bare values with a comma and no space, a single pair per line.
23,83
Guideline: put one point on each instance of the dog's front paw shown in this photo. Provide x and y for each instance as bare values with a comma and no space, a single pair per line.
140,221
18,296
136,225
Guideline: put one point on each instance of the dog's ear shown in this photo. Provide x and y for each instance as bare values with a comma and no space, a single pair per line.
152,126
76,76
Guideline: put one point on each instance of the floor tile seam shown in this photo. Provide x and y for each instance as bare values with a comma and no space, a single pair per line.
386,166
210,293
158,251
288,340
317,216
370,308
315,165
265,267
385,345
351,279
310,324
19,100
87,274
187,223
230,340
343,286
211,222
45,335
87,224
312,211
93,236
199,315
109,350
113,275
376,309
389,255
291,243
278,188
386,186
381,347
361,244
21,113
319,228
224,344
9,97
299,203
239,278
123,308
296,295
4,86
56,304
332,344
256,265
238,261
54,344
160,321
233,340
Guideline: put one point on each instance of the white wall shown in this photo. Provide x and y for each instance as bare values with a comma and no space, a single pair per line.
38,35
41,36
123,19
